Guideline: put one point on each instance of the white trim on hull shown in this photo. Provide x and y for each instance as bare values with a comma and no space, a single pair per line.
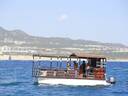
74,82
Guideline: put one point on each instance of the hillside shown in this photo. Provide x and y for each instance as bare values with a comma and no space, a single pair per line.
20,38
19,42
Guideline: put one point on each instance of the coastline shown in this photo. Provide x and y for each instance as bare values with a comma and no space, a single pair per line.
117,60
16,57
30,57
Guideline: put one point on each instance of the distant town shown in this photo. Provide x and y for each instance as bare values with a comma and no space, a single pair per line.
17,42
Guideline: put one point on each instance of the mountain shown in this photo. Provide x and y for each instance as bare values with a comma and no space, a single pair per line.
20,38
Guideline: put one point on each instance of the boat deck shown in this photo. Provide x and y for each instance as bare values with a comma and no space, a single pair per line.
98,74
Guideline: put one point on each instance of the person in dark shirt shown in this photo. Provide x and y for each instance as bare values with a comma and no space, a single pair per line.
84,68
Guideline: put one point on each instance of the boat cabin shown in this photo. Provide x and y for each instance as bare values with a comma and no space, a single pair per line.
74,66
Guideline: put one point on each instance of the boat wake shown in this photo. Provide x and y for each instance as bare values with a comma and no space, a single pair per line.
61,85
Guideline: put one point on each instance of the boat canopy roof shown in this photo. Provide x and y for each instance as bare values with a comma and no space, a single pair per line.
85,55
73,55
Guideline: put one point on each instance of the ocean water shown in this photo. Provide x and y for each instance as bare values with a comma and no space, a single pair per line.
16,80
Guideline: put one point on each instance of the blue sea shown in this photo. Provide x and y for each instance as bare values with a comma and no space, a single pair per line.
16,80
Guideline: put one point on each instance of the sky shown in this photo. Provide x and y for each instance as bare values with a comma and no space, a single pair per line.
97,20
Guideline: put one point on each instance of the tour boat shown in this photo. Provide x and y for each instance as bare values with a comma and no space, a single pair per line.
75,69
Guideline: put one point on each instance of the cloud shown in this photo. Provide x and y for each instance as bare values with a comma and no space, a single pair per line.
63,17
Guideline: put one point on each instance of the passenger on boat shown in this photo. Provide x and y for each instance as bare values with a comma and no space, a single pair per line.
82,70
87,69
68,66
75,68
75,65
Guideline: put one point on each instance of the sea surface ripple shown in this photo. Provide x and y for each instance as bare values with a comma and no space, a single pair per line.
16,80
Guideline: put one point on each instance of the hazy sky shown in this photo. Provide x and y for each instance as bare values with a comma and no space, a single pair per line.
99,20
